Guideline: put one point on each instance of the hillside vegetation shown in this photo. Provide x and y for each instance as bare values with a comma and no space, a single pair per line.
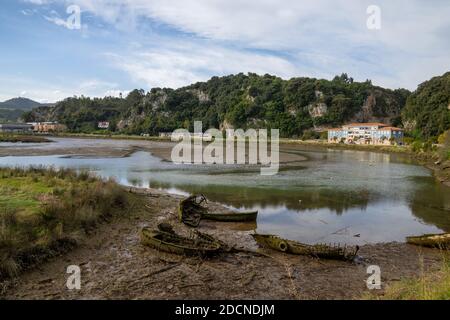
19,104
427,110
240,101
11,110
298,107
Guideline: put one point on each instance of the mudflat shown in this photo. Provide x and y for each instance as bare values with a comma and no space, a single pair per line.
104,148
115,265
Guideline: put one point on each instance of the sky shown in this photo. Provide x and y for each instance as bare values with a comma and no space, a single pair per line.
49,52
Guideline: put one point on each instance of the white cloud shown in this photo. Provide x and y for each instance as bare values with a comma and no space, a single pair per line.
318,38
37,2
95,84
334,31
12,87
58,21
269,24
27,12
180,65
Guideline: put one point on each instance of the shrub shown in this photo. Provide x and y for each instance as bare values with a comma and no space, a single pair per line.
416,146
71,204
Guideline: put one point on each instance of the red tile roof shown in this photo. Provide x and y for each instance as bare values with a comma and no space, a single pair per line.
366,124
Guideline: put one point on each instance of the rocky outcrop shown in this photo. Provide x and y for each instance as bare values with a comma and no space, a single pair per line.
378,107
122,124
156,101
201,96
318,109
225,125
409,125
292,111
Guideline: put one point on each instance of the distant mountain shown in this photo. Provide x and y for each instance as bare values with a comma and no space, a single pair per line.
12,110
19,103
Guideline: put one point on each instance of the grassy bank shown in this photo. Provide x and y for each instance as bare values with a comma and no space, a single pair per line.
435,157
343,146
429,286
43,212
22,138
114,136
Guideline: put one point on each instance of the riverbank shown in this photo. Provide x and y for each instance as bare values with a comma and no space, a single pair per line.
430,159
123,146
45,211
437,160
19,138
110,136
321,143
428,286
114,148
114,264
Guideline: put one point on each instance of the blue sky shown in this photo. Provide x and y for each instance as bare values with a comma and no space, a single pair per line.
122,45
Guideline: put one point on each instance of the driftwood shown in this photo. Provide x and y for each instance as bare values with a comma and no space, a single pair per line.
164,269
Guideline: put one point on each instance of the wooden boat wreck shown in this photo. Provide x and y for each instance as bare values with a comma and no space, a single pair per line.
323,251
193,209
441,241
173,243
231,216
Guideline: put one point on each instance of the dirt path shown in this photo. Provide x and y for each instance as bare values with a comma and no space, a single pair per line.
116,266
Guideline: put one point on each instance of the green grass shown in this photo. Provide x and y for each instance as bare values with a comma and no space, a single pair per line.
44,210
344,146
24,193
428,286
6,137
112,136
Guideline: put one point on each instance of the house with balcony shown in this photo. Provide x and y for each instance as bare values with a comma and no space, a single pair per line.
366,133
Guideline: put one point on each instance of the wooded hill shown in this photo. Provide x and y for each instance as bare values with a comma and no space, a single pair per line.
12,109
297,106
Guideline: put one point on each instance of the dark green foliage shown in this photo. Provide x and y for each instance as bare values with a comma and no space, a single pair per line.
11,110
241,101
10,115
19,103
428,108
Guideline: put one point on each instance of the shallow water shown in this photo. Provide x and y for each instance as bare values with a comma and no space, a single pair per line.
351,197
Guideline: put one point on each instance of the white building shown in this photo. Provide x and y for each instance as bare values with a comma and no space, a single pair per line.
180,135
366,133
103,125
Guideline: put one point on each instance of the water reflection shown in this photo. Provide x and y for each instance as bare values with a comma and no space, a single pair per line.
334,196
